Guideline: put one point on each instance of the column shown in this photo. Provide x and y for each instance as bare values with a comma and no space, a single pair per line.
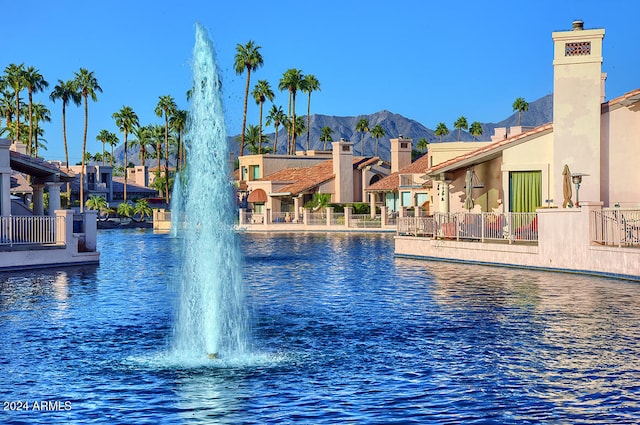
347,216
372,204
38,199
383,216
296,209
54,197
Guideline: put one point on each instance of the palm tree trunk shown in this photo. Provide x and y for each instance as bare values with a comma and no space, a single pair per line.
29,145
66,151
260,136
166,155
244,115
275,141
84,150
125,167
308,119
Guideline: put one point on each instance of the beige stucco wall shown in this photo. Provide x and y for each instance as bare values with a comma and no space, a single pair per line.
620,155
270,164
441,152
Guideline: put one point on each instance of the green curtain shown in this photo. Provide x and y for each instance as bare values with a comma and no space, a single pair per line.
525,191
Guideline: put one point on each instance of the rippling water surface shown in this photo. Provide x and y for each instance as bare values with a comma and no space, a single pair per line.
341,332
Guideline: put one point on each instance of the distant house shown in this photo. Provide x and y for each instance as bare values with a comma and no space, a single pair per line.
291,181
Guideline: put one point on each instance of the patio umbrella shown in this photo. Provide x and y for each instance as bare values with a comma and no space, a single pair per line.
566,187
468,202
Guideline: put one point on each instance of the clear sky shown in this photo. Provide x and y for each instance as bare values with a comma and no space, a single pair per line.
429,61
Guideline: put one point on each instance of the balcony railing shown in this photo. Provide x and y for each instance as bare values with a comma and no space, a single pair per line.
616,227
25,230
509,227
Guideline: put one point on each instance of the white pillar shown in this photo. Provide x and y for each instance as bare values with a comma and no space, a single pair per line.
38,199
54,197
372,204
5,178
296,209
383,215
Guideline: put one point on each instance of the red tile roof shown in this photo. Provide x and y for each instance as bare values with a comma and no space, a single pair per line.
392,181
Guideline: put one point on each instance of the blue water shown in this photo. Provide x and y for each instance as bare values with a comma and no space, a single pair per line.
341,333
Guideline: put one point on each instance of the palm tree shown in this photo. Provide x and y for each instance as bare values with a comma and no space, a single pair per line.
520,105
113,141
103,137
166,106
261,92
309,84
476,130
87,85
423,144
248,58
66,91
178,122
441,130
39,113
461,124
15,78
325,136
126,121
291,81
34,82
377,132
142,209
97,203
362,127
125,209
277,116
254,140
142,139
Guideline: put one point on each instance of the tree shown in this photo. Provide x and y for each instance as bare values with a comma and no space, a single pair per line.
520,105
97,203
66,91
125,209
103,137
178,122
325,136
377,132
34,83
142,209
39,113
319,202
277,116
476,130
362,127
309,84
254,140
143,137
166,106
248,58
87,85
441,130
461,124
15,78
261,92
423,144
291,81
126,121
113,141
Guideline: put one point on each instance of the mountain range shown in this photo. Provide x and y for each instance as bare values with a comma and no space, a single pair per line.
540,112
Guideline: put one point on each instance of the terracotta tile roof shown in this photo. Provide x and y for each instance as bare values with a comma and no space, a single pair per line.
305,178
627,98
492,148
392,181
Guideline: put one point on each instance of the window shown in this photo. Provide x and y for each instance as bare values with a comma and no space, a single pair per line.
256,172
404,145
346,148
525,191
405,199
244,174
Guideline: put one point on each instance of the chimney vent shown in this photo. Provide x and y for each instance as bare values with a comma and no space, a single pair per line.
578,25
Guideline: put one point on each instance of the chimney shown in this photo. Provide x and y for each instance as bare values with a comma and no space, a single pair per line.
343,171
400,153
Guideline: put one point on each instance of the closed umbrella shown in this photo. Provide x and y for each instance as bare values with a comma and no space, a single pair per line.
468,202
566,187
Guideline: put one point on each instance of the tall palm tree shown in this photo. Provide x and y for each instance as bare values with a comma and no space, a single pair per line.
423,144
309,84
112,141
476,130
325,136
441,130
166,106
6,105
248,58
520,105
178,122
142,139
15,78
461,124
254,140
87,85
377,132
39,113
126,121
261,92
103,137
291,81
277,116
362,127
66,91
34,82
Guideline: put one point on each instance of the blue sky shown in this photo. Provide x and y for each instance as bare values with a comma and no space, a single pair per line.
429,61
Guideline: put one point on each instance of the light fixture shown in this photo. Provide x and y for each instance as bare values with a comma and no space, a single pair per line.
576,178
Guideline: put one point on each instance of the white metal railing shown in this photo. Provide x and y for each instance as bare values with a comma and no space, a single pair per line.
23,230
472,226
616,226
337,219
317,219
365,221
